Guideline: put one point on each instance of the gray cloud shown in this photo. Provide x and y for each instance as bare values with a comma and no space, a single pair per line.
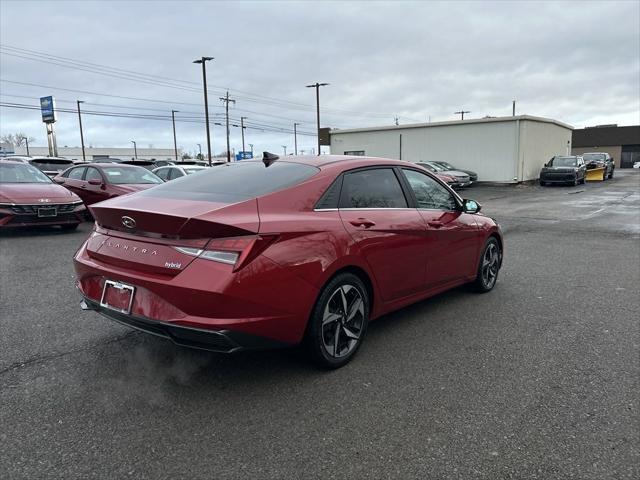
578,62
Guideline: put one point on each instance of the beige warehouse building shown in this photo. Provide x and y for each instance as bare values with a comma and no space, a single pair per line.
501,149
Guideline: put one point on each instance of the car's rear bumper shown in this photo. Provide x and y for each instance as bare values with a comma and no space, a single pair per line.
223,341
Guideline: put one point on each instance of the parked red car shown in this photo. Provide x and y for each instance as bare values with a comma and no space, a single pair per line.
95,182
308,249
28,197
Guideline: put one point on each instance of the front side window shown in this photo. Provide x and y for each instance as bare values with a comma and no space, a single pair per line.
175,173
163,173
428,192
93,174
375,188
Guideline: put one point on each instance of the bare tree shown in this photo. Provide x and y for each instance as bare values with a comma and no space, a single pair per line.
16,139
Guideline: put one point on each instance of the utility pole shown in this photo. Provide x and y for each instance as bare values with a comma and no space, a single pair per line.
78,102
226,101
295,138
461,113
203,61
285,150
26,139
513,109
317,87
242,127
135,149
175,144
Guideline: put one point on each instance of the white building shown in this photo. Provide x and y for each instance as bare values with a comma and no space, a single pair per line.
502,149
75,153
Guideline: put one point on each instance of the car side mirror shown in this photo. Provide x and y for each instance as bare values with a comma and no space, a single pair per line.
470,206
59,181
95,181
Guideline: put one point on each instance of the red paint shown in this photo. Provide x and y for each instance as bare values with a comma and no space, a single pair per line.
286,252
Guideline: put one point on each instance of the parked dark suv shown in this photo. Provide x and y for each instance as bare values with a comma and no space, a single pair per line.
600,160
563,169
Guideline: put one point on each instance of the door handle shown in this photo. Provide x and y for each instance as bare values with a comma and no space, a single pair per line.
435,224
83,186
362,222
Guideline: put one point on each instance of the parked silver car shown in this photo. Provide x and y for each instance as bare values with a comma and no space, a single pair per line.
463,179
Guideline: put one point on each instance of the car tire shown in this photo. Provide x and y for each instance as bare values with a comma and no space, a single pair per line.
488,266
69,227
575,181
611,174
338,322
583,180
542,184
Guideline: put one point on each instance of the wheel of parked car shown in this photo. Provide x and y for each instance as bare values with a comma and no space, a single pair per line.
489,266
338,322
611,174
69,227
576,182
542,184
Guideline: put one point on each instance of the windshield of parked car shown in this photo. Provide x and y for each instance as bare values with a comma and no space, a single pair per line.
563,162
234,182
52,165
446,165
190,170
436,167
427,166
124,175
21,173
589,157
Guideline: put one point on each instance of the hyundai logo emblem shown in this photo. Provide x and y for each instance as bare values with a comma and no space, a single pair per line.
128,222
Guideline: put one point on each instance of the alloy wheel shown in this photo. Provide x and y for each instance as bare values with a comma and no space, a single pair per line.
490,265
343,321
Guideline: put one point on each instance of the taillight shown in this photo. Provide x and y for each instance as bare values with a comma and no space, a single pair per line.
236,251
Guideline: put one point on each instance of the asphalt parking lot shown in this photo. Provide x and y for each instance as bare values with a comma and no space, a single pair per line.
537,379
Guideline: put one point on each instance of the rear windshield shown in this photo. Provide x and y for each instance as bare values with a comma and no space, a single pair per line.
234,182
588,157
124,175
21,173
563,162
52,165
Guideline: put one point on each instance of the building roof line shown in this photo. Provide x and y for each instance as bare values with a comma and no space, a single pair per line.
530,118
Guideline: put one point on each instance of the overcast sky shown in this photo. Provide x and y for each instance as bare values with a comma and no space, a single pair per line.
577,62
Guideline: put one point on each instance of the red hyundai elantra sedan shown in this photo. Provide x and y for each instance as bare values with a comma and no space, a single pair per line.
256,254
29,198
95,182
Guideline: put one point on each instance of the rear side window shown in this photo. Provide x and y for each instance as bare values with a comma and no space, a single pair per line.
76,173
163,173
374,188
93,174
234,182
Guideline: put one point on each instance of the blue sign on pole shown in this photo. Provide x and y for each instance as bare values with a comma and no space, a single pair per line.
244,155
48,109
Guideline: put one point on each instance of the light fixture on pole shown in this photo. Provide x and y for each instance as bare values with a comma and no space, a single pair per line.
317,87
203,61
175,144
78,102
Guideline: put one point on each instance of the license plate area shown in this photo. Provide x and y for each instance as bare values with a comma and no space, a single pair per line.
47,212
117,296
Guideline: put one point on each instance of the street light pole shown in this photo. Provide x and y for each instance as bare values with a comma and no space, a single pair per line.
285,150
317,87
461,113
135,149
84,159
175,144
200,150
295,138
203,61
242,119
27,142
251,146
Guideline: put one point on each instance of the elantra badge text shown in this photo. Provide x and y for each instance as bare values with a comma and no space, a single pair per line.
127,247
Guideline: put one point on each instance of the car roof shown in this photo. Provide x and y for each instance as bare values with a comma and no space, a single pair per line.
341,162
107,165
